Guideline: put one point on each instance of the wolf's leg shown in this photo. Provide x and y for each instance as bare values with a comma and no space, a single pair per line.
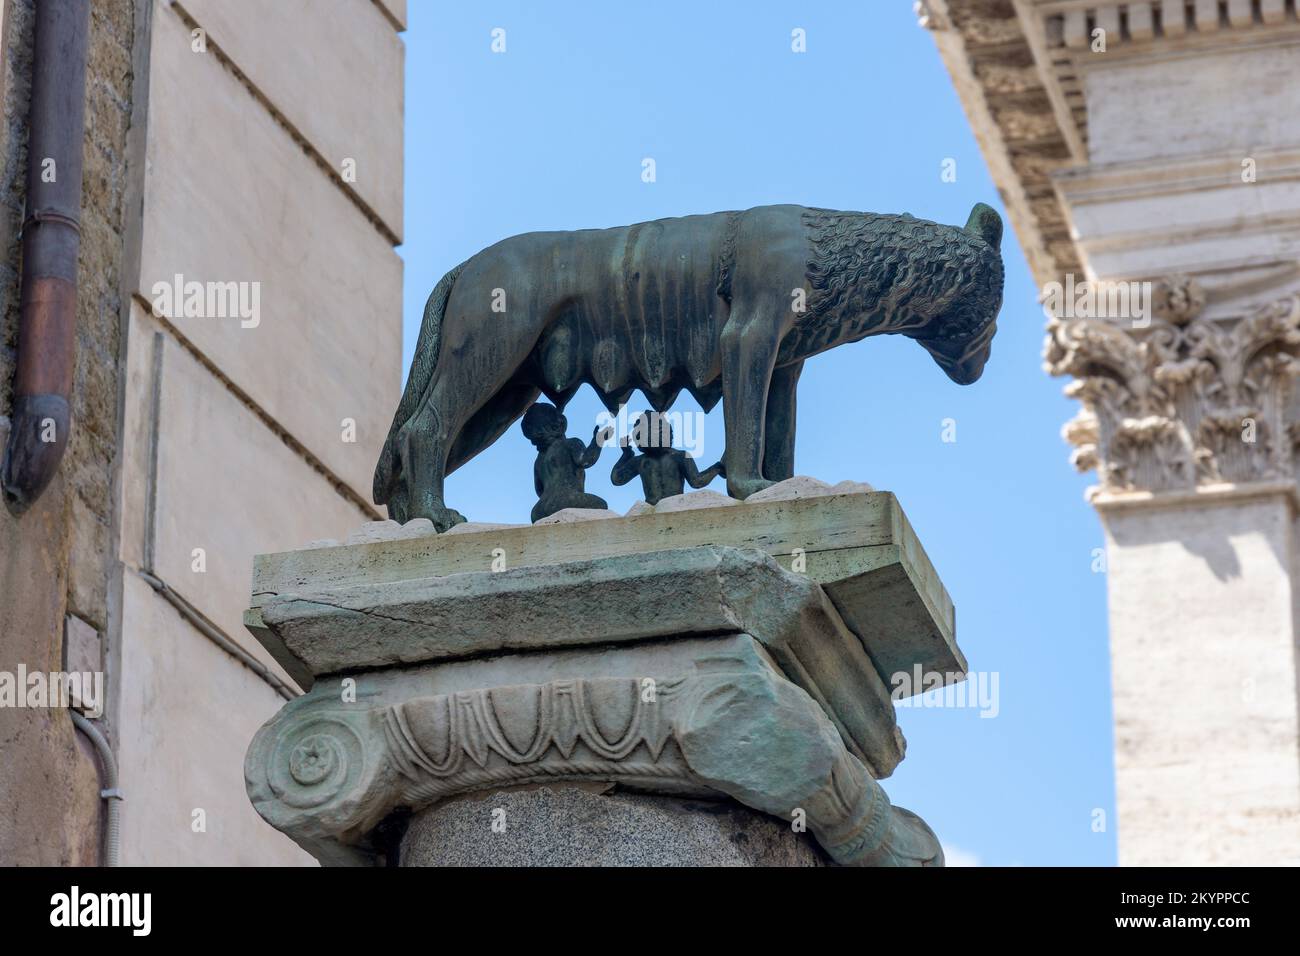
424,448
465,410
749,347
434,432
778,434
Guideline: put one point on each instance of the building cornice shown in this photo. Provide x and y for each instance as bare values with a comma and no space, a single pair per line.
991,58
1020,66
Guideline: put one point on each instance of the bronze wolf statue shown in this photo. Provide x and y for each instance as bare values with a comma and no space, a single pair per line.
727,305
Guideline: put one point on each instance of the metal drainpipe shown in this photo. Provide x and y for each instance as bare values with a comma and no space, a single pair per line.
42,389
110,792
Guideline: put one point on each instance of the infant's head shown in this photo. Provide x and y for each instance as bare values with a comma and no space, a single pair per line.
653,433
543,424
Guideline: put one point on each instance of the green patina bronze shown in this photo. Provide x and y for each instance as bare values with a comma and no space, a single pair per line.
559,474
727,305
664,470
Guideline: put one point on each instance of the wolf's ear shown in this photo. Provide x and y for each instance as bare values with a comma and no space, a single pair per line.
985,222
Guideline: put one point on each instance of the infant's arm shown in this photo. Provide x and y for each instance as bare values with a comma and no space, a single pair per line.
694,477
626,468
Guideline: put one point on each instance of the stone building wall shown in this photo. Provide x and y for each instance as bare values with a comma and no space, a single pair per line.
54,561
272,158
227,142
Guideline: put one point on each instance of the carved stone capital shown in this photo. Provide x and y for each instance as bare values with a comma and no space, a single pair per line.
666,658
327,772
1186,401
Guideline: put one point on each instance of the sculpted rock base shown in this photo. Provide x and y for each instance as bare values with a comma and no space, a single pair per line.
664,669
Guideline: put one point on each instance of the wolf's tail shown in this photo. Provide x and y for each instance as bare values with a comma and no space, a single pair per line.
422,366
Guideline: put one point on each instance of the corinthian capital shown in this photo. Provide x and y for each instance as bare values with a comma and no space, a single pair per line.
1185,399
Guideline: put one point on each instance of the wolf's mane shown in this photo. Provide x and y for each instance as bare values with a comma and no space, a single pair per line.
897,273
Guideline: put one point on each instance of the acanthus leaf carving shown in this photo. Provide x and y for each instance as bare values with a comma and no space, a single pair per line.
1184,401
328,773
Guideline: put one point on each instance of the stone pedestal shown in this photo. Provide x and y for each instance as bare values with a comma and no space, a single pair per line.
697,688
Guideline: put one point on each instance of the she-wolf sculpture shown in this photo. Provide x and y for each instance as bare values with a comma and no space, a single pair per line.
727,305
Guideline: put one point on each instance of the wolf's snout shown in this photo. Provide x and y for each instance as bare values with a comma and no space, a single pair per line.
968,370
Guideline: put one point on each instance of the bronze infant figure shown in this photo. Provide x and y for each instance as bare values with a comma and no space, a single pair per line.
559,474
664,470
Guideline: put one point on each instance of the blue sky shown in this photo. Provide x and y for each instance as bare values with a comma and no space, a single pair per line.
551,134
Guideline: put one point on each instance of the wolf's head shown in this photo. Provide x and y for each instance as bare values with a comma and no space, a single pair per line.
960,334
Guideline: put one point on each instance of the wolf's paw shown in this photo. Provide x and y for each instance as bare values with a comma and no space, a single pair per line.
742,488
444,518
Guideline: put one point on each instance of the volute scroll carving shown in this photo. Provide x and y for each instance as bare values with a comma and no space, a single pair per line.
328,773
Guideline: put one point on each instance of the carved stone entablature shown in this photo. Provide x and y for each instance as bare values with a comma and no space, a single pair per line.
1074,25
1187,400
1026,127
1048,95
328,772
927,18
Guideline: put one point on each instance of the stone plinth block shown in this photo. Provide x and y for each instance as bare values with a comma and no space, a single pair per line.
859,547
663,662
